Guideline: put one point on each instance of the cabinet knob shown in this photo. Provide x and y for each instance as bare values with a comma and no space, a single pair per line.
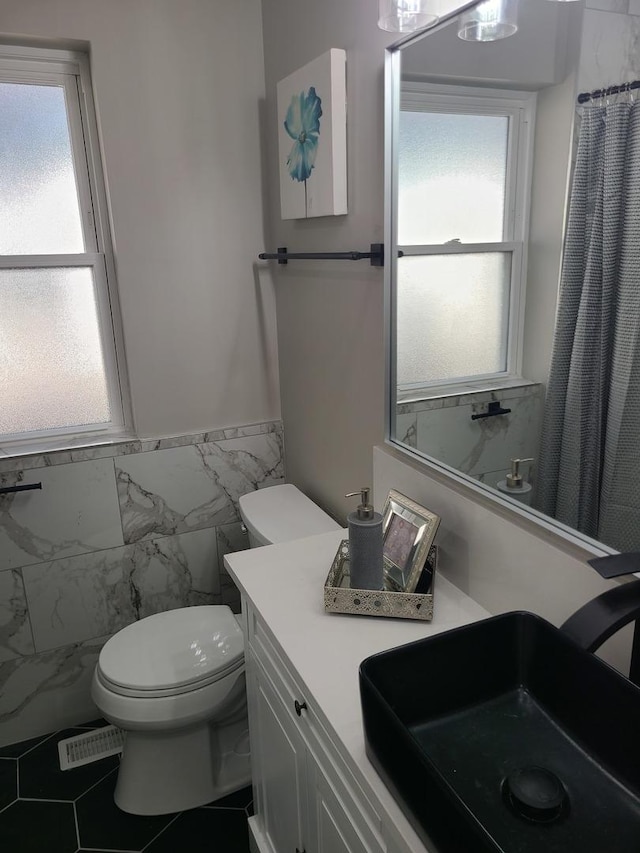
300,707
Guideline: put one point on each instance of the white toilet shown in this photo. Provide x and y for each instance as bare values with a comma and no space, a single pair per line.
174,682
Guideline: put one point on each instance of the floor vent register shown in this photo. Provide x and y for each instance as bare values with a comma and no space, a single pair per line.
90,746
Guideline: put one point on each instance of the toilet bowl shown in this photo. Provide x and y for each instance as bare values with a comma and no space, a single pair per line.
175,683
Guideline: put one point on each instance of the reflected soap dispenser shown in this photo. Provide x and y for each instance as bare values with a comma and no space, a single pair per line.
365,544
514,483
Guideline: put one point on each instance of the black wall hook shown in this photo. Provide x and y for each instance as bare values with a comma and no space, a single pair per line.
494,408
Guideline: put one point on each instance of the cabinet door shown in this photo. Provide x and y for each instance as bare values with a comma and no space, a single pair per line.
332,827
280,767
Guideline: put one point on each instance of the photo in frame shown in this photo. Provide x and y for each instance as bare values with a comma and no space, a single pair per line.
408,531
312,138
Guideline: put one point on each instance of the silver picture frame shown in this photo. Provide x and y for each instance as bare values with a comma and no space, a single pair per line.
408,531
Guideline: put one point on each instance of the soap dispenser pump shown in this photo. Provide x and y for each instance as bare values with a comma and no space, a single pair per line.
365,544
514,483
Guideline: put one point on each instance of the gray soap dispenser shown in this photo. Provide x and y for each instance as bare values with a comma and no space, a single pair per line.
365,544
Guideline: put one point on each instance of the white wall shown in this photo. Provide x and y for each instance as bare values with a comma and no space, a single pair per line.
330,314
555,114
178,87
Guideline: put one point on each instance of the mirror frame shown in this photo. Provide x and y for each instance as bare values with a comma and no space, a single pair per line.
559,534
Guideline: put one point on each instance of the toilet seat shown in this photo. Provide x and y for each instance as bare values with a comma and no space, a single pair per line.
133,711
176,690
172,653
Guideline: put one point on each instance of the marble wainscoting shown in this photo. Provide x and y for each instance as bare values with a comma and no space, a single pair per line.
113,537
442,428
82,517
187,488
16,638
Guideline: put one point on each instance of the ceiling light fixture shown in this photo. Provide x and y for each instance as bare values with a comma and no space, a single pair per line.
405,16
489,21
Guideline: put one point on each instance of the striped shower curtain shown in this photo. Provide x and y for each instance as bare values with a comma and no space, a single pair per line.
589,471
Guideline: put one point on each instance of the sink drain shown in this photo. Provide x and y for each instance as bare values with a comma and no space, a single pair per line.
535,794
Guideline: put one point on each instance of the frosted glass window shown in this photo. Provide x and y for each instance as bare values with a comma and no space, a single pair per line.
452,313
451,177
39,209
52,371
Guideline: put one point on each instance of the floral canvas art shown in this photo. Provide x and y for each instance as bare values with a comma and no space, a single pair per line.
312,128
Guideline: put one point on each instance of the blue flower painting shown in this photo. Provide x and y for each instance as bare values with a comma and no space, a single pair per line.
312,138
302,123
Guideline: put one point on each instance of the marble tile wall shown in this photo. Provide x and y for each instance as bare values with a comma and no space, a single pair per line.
117,533
610,50
442,428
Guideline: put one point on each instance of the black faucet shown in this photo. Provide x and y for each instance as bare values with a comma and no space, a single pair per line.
601,617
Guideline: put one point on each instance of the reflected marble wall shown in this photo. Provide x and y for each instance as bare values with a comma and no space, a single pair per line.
117,533
442,427
610,51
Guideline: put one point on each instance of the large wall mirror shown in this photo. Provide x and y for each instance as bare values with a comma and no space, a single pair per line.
514,209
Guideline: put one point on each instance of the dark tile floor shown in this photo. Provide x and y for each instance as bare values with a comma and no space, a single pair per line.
45,810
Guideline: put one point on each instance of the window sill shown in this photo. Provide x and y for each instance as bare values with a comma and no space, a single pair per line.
28,447
42,452
439,392
26,457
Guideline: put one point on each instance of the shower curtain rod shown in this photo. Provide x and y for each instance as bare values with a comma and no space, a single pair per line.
610,90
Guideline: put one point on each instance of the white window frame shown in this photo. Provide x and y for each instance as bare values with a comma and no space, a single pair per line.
70,70
519,107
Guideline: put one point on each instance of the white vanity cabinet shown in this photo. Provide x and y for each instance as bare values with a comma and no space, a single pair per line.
303,800
279,767
314,787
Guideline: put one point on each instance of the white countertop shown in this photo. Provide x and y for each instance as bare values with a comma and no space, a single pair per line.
284,584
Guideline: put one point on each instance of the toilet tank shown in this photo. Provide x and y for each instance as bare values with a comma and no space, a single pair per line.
281,513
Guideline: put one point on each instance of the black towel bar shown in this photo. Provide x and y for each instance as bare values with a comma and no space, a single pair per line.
375,255
27,487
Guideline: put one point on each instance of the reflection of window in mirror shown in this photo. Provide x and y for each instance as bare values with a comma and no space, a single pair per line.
463,196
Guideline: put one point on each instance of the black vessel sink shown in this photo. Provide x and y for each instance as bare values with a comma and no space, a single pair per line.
506,736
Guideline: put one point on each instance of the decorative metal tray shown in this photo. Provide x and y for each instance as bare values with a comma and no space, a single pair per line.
340,598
